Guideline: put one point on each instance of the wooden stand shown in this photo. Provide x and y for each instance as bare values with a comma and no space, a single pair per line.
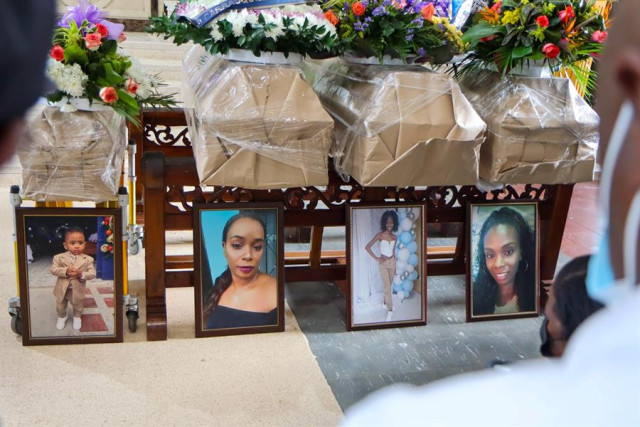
167,206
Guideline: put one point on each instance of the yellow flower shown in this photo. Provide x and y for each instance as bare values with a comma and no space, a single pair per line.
511,17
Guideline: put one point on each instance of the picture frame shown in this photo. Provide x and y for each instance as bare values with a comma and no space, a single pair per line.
381,274
505,281
48,295
238,281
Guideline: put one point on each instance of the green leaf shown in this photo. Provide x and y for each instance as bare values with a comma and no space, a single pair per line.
479,31
111,76
74,54
521,52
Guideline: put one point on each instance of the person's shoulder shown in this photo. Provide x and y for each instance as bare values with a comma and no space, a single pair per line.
268,281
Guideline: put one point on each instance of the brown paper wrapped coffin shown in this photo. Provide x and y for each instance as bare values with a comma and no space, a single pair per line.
399,126
255,125
539,129
72,156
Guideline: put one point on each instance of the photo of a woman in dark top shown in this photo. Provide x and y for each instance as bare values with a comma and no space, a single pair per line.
242,295
505,281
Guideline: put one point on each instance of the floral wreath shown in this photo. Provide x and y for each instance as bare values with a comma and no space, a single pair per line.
86,62
298,29
561,33
398,28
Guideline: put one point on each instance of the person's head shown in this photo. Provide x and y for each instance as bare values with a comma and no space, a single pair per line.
568,305
74,240
243,242
618,82
25,36
506,248
389,221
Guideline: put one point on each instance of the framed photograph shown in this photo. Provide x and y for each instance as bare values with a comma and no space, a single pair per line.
239,268
386,265
70,275
502,260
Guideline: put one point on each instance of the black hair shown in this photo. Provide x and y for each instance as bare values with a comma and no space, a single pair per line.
385,216
73,229
486,292
223,281
573,304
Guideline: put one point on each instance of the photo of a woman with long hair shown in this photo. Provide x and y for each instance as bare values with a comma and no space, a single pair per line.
386,245
243,294
505,261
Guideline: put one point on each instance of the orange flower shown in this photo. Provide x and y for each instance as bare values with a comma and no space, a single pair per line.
331,17
358,8
566,14
428,11
93,41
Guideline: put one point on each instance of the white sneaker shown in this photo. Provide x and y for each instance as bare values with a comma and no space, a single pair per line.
60,323
389,316
77,323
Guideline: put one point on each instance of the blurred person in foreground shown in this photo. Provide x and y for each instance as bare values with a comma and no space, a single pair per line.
25,38
596,381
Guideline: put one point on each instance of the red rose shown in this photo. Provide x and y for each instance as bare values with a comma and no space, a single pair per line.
566,14
57,53
488,38
93,41
109,248
599,36
102,30
551,50
542,21
358,8
132,86
428,11
331,17
108,95
106,221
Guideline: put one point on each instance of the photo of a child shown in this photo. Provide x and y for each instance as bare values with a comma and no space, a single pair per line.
72,269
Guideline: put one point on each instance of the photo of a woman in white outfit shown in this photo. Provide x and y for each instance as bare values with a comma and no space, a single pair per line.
386,265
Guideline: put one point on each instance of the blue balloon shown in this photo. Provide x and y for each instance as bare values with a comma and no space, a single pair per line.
413,247
401,215
413,275
413,259
397,288
407,286
405,237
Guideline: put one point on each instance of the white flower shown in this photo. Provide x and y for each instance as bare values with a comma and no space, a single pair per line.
68,78
216,34
275,19
237,21
146,82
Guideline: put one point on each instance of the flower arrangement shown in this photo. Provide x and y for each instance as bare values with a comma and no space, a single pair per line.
86,62
511,33
107,248
399,28
299,29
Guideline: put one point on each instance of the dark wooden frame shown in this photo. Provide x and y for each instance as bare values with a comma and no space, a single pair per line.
197,251
167,168
470,254
423,258
21,215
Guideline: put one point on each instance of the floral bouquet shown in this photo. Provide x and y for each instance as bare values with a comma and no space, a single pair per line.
288,29
107,248
511,33
406,29
87,63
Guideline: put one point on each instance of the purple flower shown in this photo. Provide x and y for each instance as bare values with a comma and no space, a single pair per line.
421,51
379,11
409,37
365,3
368,19
442,7
87,11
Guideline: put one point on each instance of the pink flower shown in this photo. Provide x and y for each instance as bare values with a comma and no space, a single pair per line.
132,86
566,14
399,4
599,36
497,6
428,11
93,41
121,37
102,30
108,95
551,50
57,53
542,21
